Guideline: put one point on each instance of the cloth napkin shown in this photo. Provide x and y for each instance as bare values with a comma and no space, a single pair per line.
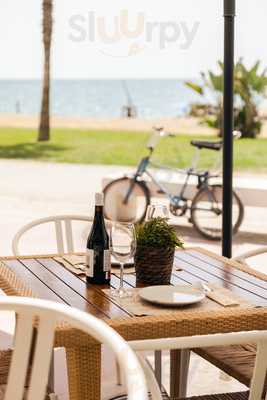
223,296
76,265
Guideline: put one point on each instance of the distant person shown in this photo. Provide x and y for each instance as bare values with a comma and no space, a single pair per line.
129,111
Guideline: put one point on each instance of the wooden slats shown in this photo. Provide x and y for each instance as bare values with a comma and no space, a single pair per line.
92,295
41,290
50,280
64,291
225,273
192,272
224,266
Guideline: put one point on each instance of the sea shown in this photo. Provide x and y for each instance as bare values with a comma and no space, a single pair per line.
99,98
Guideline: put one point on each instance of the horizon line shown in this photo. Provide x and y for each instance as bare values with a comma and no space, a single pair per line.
96,78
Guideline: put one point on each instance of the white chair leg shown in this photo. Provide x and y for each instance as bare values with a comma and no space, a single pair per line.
118,374
51,380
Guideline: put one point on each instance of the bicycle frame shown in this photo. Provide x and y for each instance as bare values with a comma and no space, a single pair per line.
142,169
162,187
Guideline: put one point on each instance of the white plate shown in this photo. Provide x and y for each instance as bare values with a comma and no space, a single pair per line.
171,295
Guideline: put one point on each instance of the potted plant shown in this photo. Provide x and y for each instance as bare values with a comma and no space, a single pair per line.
156,244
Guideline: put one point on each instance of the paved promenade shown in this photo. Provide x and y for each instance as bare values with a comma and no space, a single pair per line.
31,190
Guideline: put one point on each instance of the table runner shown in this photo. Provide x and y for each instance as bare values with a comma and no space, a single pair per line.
76,265
138,307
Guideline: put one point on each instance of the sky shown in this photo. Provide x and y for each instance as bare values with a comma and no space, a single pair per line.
127,39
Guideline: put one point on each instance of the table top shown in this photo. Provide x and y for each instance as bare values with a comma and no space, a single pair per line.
43,277
52,281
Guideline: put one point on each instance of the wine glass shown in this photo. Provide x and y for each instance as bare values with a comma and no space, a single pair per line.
157,211
123,246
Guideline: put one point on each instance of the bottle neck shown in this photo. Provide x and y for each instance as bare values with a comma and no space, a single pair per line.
99,222
98,213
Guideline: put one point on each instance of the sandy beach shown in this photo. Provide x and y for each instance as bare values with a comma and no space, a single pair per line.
185,125
182,125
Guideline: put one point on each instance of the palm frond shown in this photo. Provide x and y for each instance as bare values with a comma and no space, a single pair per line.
194,86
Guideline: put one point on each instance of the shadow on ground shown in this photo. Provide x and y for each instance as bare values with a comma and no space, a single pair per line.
31,151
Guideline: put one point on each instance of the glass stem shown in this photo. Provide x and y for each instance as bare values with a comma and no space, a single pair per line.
121,275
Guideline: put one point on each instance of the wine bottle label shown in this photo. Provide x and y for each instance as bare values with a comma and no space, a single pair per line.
90,263
107,261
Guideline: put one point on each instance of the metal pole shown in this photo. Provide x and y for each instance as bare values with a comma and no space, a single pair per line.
228,127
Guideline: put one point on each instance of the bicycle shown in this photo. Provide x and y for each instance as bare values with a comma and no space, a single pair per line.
127,198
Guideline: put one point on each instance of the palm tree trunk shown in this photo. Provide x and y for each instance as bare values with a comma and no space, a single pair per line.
44,126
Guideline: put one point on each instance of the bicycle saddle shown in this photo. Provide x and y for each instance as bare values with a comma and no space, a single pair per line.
203,144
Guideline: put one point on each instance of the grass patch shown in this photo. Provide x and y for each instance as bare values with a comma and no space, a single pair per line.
123,148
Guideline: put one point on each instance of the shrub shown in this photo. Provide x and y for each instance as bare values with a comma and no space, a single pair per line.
157,233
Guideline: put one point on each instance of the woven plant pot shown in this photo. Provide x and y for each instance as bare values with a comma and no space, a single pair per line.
153,266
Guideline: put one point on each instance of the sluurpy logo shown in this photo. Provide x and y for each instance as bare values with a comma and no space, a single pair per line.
125,36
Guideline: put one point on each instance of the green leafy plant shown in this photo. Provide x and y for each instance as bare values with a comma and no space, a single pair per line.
249,87
157,234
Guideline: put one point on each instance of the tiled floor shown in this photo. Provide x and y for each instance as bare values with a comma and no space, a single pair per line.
203,378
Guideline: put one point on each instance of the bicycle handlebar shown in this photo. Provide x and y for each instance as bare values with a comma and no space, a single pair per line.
155,137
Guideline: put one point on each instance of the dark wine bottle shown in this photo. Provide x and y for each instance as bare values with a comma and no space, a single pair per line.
98,251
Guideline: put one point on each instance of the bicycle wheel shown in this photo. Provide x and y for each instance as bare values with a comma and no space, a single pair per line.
114,196
206,212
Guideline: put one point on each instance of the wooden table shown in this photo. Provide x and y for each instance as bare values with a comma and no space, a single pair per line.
43,277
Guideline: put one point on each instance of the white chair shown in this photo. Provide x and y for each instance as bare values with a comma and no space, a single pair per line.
63,236
63,227
228,359
64,239
49,315
240,338
243,257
